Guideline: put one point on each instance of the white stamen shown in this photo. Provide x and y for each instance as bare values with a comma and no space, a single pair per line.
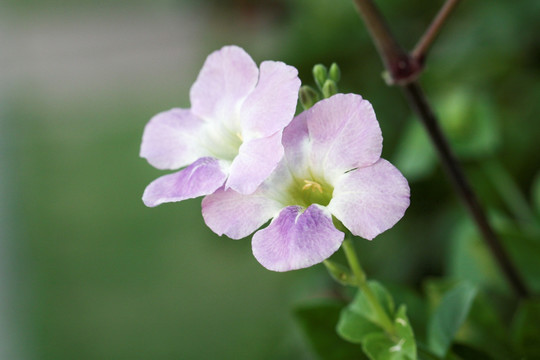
312,184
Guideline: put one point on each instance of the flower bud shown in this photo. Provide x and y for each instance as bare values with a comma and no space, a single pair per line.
329,88
320,74
308,96
334,73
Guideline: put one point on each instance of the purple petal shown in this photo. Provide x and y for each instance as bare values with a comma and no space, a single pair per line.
344,133
255,162
203,177
226,78
170,139
271,106
236,215
370,200
296,240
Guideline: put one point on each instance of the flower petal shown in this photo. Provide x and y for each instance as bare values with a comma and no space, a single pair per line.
170,139
370,200
297,145
203,177
344,134
226,78
254,163
296,240
236,215
271,106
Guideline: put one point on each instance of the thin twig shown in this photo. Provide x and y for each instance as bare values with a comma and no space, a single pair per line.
381,35
422,47
416,98
400,66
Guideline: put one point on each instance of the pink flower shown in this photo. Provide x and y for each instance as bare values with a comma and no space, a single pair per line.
231,136
331,168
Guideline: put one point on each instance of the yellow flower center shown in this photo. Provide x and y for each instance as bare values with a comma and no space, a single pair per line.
305,192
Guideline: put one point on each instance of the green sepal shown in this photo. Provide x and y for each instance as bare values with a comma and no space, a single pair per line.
340,273
329,88
308,96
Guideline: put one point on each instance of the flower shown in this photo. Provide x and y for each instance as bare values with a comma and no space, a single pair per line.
230,137
331,168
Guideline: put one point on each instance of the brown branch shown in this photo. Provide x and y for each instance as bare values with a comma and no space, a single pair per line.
400,66
417,100
422,47
392,57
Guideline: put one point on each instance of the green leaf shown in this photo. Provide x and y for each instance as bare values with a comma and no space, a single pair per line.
318,322
485,330
415,156
524,249
361,305
435,288
470,259
470,122
467,352
358,320
380,346
416,306
536,193
469,119
449,316
354,327
526,329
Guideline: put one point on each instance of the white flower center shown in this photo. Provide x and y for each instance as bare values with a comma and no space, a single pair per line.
221,141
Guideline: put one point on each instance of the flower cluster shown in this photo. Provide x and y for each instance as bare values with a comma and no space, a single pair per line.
255,162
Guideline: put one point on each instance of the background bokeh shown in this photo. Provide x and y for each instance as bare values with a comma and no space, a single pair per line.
88,272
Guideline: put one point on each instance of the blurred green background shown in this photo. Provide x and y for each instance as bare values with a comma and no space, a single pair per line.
88,272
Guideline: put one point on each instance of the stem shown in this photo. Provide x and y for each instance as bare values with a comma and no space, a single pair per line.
420,50
400,66
385,321
419,104
381,35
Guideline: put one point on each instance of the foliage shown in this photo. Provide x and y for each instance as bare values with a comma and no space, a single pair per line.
105,278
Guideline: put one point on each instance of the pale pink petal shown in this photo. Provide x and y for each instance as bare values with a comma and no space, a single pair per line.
271,106
226,78
344,134
236,215
203,177
296,144
297,239
170,139
370,200
254,163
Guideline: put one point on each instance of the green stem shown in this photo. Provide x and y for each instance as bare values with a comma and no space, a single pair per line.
384,320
